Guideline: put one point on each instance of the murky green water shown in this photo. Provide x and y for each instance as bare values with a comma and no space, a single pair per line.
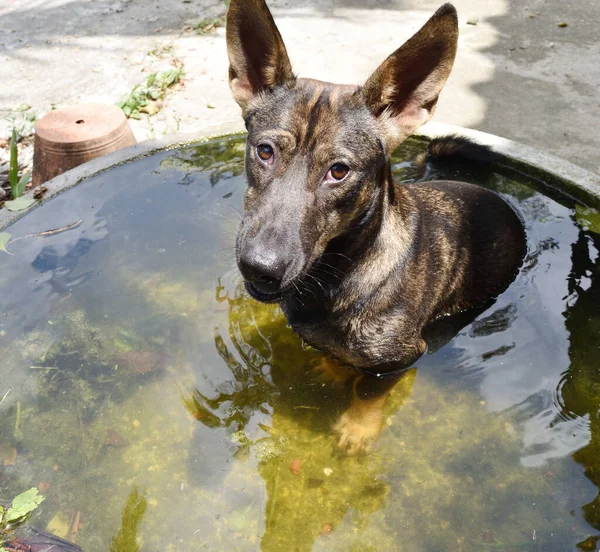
159,408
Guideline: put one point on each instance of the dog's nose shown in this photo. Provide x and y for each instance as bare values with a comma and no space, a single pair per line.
263,269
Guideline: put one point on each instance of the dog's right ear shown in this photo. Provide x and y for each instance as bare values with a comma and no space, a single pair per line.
258,60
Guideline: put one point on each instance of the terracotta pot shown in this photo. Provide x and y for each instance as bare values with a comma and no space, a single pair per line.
70,136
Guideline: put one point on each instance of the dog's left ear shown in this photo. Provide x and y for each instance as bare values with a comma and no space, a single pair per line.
258,60
403,92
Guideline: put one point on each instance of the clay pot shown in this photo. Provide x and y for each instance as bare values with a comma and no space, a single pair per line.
70,136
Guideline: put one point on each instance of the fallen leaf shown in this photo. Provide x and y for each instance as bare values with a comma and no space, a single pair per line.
587,218
151,108
314,483
19,204
8,454
563,24
326,529
4,239
296,466
115,439
59,525
43,487
327,471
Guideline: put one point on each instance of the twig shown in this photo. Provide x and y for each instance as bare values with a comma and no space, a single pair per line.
49,232
274,494
4,397
17,421
43,357
75,526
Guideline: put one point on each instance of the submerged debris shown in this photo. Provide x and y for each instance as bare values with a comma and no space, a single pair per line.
142,362
115,439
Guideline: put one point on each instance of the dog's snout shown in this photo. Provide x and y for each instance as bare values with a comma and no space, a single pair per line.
262,267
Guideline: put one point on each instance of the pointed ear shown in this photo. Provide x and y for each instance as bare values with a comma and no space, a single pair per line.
258,59
404,90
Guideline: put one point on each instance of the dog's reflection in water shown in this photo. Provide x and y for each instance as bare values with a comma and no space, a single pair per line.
273,372
286,399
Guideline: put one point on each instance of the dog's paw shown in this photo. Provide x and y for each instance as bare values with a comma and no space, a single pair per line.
330,372
357,431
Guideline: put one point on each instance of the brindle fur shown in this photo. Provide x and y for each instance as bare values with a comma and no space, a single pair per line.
361,267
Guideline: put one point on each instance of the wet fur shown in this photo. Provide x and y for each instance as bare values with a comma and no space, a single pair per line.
369,263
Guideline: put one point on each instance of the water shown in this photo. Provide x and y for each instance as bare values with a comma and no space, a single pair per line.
159,408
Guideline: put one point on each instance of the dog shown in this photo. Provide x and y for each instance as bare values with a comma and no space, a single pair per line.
360,265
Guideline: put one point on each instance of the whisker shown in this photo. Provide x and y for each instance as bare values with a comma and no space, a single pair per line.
316,280
306,288
236,212
339,255
299,295
235,223
340,276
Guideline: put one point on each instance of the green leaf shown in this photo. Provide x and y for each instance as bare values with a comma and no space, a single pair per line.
22,183
24,504
587,218
23,107
4,239
19,204
14,162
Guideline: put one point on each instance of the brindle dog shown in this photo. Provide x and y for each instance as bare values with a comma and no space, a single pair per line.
361,265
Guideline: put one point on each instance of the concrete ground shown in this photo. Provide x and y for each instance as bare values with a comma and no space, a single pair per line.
518,73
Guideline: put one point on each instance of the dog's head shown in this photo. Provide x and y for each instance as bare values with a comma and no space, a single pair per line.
317,152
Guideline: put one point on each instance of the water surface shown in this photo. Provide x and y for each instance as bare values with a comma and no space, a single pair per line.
159,406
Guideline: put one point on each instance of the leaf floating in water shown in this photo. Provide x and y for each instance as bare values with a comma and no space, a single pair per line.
115,439
587,218
24,504
4,239
143,362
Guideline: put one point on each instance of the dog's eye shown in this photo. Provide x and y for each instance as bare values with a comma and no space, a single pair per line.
265,152
337,172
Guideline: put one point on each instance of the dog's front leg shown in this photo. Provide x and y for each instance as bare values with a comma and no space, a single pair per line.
359,426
